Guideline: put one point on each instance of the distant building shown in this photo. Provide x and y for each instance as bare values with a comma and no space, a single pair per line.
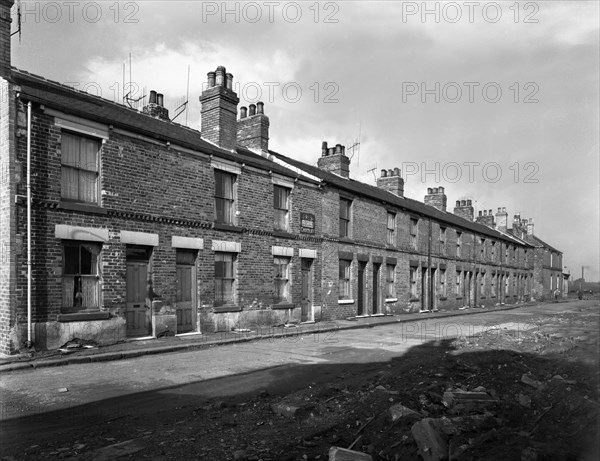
137,222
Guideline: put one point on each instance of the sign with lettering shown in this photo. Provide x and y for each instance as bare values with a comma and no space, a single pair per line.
307,223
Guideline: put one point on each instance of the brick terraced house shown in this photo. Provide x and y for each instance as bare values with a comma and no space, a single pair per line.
118,223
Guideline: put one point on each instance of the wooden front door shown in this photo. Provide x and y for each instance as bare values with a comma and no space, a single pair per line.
360,310
137,312
306,295
186,291
376,297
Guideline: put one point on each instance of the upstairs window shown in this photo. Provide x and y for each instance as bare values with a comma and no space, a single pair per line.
224,197
443,240
80,168
482,248
345,205
391,229
224,278
81,280
281,204
458,244
414,232
281,275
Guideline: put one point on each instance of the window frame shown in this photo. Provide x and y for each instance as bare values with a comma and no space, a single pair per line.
413,279
288,193
96,276
442,282
443,236
78,167
391,231
232,200
459,244
390,283
345,222
414,232
220,301
344,283
285,278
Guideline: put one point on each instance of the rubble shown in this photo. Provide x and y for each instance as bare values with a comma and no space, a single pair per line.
432,445
343,454
400,412
467,398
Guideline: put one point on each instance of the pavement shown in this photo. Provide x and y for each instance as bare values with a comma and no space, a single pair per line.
136,347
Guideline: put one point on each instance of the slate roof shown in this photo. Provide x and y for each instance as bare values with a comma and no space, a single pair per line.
79,103
540,242
376,193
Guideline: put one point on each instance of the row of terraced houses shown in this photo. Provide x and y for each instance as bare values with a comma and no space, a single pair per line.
118,223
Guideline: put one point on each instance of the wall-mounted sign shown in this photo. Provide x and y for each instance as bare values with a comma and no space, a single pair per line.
307,223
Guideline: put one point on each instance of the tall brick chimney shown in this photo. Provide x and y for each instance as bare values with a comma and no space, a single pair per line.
5,20
501,219
219,110
253,129
155,106
486,218
334,160
464,209
436,197
392,181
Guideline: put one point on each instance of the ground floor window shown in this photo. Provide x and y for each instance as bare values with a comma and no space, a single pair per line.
81,279
458,283
225,278
281,269
344,281
442,282
390,281
493,285
413,282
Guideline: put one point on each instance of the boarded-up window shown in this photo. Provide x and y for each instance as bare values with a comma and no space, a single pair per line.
81,278
80,168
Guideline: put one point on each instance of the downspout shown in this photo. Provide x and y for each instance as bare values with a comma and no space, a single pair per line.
431,301
29,325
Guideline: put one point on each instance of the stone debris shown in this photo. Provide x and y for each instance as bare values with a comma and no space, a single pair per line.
529,454
467,398
291,410
63,389
400,412
524,400
531,382
343,454
432,445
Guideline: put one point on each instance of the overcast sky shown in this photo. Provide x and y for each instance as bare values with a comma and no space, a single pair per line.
497,102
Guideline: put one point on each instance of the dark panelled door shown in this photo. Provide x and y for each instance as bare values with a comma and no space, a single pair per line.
137,314
306,295
360,310
186,291
376,288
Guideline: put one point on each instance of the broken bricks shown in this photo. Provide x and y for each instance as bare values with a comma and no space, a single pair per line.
468,399
291,409
343,454
400,412
432,444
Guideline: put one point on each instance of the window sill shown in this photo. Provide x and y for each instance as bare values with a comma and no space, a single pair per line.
459,297
345,301
283,234
413,300
226,227
391,300
83,316
227,308
443,298
283,306
346,240
482,297
79,206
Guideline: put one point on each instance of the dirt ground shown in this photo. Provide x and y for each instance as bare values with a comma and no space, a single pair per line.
542,384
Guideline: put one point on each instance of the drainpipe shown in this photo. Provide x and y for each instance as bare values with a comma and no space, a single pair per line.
431,300
29,329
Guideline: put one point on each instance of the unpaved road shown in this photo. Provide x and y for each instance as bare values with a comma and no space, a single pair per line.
157,397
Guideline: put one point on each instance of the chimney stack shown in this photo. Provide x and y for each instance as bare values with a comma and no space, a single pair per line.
5,20
219,110
155,107
436,198
334,160
486,218
391,181
530,226
464,209
253,129
501,219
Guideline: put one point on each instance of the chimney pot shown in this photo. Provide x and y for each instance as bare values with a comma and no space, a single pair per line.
152,97
458,203
260,107
441,189
480,213
211,79
324,148
429,191
490,211
384,173
159,99
343,150
469,203
390,172
338,148
331,151
503,210
252,109
484,213
396,171
229,81
220,76
243,112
